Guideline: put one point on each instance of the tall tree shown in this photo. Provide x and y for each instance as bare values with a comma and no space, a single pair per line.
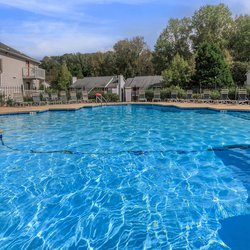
239,70
240,39
212,23
178,73
128,54
174,39
108,66
51,67
211,68
64,78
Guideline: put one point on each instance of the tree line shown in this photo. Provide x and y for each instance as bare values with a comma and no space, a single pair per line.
211,49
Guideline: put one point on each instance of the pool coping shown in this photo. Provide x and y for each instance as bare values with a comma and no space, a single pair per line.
75,107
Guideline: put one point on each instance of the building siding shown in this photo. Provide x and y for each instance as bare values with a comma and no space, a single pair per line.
11,75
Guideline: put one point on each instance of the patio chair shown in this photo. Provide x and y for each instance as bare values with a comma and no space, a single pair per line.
63,97
157,96
73,98
174,96
19,101
37,99
142,97
242,96
224,96
47,99
189,96
85,96
206,97
54,98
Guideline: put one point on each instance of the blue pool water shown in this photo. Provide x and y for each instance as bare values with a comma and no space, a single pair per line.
125,177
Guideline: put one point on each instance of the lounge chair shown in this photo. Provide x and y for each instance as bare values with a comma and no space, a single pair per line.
73,97
174,96
224,96
63,97
54,98
47,99
206,98
242,96
142,97
37,99
85,96
189,96
157,96
18,100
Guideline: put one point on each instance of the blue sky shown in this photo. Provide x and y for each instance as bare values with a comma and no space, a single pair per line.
55,27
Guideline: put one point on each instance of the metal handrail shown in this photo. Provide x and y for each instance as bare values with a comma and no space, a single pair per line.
101,99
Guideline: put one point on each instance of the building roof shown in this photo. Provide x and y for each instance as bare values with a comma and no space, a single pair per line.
144,82
96,82
8,50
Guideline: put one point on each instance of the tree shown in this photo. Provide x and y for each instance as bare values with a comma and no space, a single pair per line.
128,54
239,70
64,78
211,68
240,39
178,73
212,23
108,66
174,39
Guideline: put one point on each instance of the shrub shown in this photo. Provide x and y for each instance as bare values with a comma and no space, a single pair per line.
1,99
215,94
149,94
92,94
9,102
111,97
165,94
196,96
78,95
27,99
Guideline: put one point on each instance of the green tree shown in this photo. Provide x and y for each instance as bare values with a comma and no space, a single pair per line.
239,70
109,64
240,39
64,78
129,54
211,68
212,23
178,73
174,39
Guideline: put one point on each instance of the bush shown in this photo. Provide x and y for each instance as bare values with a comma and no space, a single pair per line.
27,99
215,94
149,94
1,99
92,94
111,97
165,94
232,93
78,95
9,102
196,96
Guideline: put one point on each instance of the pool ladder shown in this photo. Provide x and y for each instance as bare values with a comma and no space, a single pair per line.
101,99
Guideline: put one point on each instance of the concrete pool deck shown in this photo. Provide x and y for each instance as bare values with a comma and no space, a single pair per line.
76,106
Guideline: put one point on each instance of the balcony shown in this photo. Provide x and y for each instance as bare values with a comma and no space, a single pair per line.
33,73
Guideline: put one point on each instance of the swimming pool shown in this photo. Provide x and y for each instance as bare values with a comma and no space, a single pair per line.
124,177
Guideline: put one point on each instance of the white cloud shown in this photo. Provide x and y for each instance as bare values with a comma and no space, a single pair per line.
240,7
65,26
55,7
56,38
